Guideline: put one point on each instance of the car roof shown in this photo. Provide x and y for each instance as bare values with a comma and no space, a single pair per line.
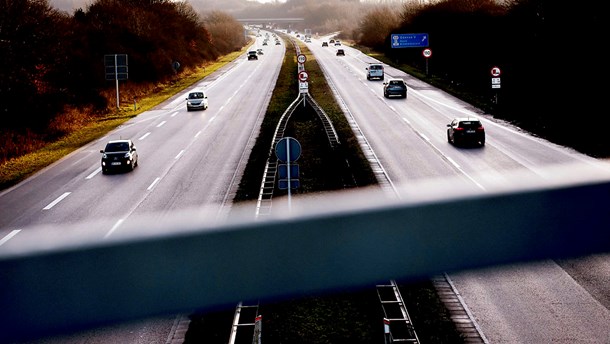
119,141
466,119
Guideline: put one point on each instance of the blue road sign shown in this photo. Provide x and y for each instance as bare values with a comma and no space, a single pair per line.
410,40
116,66
283,171
283,184
285,146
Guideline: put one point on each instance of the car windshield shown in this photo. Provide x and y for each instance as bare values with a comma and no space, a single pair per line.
395,83
117,147
196,95
376,67
470,124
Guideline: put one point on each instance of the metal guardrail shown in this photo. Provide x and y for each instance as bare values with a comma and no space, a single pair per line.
50,283
400,327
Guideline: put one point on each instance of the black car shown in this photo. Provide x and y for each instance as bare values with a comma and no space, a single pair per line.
466,130
340,52
324,44
395,87
252,55
119,155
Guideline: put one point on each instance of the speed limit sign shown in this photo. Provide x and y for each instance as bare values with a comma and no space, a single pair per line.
301,58
427,53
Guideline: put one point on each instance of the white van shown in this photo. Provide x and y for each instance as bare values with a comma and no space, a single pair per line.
374,71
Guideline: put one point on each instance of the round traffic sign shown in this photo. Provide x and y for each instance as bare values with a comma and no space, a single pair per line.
288,149
303,76
427,53
301,58
495,71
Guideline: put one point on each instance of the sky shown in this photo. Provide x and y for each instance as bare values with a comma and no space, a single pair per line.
70,5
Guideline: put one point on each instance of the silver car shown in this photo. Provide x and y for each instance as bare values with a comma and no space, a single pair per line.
197,100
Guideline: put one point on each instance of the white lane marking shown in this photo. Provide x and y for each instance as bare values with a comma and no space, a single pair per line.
144,136
406,120
153,184
391,107
174,114
423,136
198,133
59,199
9,236
116,225
161,124
452,161
179,154
94,173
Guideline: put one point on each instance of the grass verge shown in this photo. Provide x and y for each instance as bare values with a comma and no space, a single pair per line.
19,168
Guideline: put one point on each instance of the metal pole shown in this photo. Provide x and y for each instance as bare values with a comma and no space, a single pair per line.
288,175
426,67
116,78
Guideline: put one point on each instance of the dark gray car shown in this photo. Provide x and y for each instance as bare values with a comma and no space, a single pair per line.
395,87
119,155
466,130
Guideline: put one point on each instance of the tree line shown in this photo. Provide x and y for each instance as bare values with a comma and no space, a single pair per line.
551,55
51,59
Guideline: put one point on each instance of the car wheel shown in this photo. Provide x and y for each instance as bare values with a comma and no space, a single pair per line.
386,95
482,143
404,95
448,137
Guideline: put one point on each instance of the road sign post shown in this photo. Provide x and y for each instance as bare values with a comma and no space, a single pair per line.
303,85
115,66
288,150
427,53
495,82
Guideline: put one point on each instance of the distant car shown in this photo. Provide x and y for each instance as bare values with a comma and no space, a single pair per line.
324,44
395,87
265,42
259,51
340,52
119,155
331,41
466,130
374,71
196,100
337,42
252,55
278,43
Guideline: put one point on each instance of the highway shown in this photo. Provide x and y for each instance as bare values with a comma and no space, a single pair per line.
187,160
541,302
195,160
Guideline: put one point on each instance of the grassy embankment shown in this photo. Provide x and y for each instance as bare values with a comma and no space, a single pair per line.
91,127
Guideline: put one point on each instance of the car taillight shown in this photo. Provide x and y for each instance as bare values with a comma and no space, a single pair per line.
480,128
458,129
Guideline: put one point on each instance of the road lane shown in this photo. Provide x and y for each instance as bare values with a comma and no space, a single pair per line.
532,303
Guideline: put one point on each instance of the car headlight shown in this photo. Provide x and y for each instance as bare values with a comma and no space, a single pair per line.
104,156
127,156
